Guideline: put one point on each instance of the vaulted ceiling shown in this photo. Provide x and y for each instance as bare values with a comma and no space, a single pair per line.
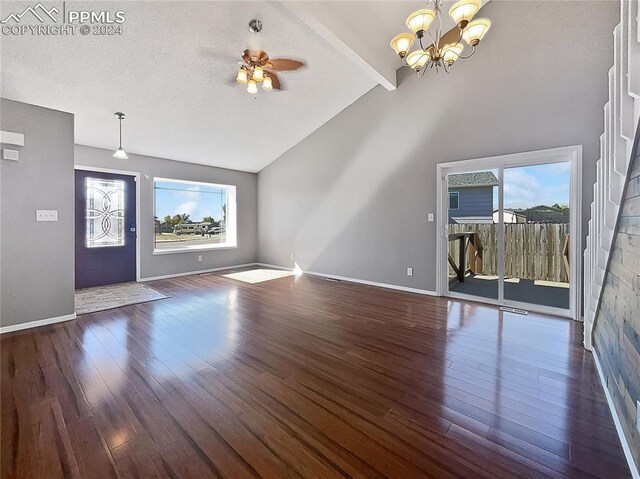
172,68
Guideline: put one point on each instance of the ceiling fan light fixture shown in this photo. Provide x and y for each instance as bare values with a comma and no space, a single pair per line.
475,31
419,21
463,11
243,76
120,154
401,43
267,83
258,73
252,87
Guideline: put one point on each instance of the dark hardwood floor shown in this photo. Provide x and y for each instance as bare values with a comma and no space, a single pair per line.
303,378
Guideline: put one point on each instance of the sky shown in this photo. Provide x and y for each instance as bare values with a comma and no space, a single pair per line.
528,186
196,200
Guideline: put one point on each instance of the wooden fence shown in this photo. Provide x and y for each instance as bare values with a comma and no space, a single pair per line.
532,251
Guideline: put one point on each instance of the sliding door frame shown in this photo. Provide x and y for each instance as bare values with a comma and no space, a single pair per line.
570,154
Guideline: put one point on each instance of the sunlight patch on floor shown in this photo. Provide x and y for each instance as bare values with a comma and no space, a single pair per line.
259,275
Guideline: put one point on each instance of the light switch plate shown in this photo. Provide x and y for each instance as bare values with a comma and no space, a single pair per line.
409,271
11,155
46,215
430,217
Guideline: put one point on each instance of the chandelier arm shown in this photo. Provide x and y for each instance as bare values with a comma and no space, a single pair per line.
439,30
473,50
423,70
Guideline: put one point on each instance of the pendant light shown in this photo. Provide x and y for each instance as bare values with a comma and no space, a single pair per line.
119,153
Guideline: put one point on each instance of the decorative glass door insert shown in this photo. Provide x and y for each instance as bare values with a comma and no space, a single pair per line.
105,213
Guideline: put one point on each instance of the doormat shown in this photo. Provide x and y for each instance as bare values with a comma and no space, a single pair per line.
100,298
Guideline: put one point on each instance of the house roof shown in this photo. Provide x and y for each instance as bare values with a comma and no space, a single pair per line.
467,180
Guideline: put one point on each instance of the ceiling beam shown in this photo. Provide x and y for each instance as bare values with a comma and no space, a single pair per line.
319,17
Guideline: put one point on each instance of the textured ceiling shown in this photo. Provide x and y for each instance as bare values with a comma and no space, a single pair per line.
169,72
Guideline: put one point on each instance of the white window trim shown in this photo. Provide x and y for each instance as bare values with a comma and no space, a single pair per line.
232,226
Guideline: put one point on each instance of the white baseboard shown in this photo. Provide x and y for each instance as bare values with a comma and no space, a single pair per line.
201,271
616,420
356,280
35,324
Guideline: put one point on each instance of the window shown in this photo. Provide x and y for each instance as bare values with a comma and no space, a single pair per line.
454,200
192,216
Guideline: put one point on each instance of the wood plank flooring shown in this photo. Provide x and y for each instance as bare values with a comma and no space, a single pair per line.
303,377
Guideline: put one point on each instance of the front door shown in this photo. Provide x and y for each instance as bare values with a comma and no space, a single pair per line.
105,228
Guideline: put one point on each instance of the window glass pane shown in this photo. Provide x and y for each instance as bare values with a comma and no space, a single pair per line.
191,215
453,201
104,215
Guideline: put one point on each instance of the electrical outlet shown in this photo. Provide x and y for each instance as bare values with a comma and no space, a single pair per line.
430,217
46,215
199,257
291,256
409,271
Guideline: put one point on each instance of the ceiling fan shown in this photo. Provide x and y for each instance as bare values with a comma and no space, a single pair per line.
256,66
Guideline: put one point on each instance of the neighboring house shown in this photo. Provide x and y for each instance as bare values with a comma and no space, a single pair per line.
510,216
471,197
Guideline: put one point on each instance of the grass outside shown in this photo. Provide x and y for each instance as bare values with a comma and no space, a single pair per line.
172,241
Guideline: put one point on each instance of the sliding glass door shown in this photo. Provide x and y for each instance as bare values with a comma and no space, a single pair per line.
472,240
536,215
508,224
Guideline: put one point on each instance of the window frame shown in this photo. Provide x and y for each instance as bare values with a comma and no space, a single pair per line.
231,225
457,196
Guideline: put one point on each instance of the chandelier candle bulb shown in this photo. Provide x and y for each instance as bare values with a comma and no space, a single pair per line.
463,11
475,31
401,43
419,21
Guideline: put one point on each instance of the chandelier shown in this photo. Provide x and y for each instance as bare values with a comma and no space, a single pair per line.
438,49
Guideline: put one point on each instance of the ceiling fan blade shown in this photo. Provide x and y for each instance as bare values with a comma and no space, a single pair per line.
275,81
216,55
284,64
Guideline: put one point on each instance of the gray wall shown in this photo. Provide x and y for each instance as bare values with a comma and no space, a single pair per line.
352,198
166,264
36,259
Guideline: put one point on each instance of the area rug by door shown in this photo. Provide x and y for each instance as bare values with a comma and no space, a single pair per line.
99,298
